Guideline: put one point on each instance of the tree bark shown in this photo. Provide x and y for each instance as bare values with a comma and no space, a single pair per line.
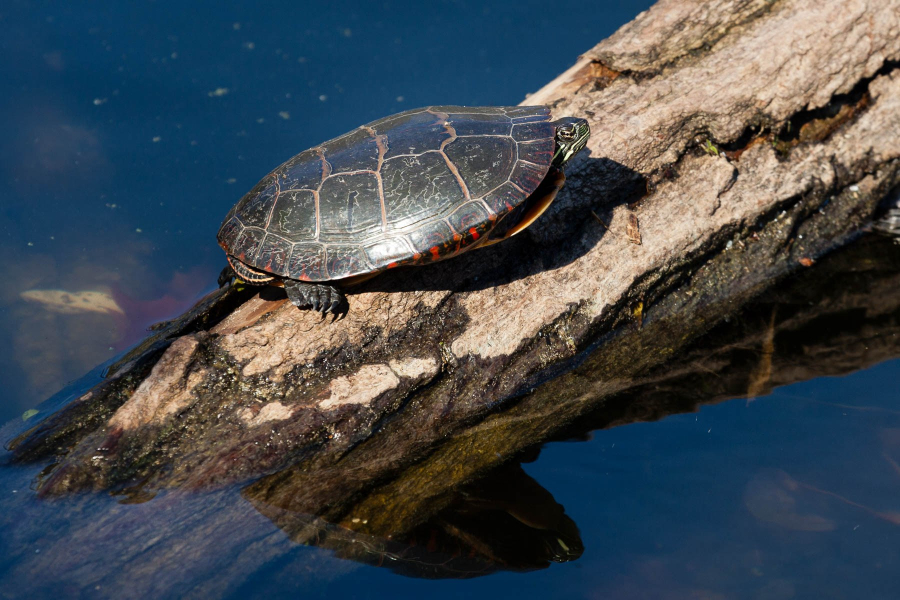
734,142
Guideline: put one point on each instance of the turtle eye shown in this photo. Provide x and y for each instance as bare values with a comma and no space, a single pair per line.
567,132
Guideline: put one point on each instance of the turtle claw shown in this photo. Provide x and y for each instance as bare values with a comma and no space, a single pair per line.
316,296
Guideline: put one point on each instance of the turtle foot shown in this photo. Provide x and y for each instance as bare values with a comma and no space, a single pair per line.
226,276
322,298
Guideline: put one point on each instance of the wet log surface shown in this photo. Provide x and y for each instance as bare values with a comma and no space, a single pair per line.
738,141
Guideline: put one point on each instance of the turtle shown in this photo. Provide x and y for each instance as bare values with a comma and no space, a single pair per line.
408,189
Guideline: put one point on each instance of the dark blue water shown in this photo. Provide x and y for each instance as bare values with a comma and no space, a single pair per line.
129,129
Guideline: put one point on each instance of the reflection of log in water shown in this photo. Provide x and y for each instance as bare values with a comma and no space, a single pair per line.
505,521
841,316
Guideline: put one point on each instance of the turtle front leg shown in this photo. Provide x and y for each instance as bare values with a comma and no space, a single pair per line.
317,296
226,276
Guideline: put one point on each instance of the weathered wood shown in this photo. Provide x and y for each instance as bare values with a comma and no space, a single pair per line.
747,139
841,315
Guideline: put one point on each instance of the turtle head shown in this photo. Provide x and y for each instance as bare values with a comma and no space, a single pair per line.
572,135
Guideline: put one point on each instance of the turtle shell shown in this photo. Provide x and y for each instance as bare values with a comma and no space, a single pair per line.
414,187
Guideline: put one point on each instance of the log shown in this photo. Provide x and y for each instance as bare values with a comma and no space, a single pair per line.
734,142
439,517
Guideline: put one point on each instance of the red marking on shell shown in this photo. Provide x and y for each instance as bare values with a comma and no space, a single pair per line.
435,252
392,265
539,151
528,176
474,233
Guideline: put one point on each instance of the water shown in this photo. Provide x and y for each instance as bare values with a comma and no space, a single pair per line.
130,129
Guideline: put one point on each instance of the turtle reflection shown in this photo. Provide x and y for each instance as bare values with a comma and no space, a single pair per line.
503,522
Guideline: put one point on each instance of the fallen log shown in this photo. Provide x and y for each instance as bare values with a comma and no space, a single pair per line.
441,516
734,143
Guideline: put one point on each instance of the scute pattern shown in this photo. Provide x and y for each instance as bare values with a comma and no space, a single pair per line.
349,207
411,135
295,215
344,261
485,160
389,250
273,254
416,187
469,215
410,188
248,243
255,207
430,235
308,262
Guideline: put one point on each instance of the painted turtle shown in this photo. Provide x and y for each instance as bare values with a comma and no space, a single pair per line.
412,188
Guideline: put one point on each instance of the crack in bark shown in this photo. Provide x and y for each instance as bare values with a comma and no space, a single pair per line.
804,126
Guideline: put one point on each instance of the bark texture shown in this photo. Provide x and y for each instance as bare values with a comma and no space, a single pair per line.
736,141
